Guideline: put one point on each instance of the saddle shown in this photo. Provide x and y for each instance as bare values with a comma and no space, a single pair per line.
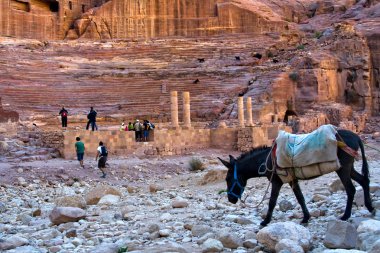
306,156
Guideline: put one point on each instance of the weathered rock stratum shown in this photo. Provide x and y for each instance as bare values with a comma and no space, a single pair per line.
320,57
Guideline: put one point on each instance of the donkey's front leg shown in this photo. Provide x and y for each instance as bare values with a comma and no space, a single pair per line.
276,186
301,200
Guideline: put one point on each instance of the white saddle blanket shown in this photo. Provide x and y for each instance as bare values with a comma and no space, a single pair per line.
295,150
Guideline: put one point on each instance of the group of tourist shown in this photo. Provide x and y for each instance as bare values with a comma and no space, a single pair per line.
91,116
141,129
101,153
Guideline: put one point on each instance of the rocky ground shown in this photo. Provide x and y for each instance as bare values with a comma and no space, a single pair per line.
156,204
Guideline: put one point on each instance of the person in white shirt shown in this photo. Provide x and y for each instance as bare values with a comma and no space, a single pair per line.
102,153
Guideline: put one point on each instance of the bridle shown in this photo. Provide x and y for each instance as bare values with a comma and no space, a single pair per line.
235,182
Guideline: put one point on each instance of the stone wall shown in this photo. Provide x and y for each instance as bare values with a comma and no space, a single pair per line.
162,142
253,137
169,141
53,139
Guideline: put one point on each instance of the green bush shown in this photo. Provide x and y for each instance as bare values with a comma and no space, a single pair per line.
301,47
317,34
270,54
122,249
221,191
293,76
196,164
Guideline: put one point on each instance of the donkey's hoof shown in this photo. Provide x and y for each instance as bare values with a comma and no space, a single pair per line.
344,218
263,224
373,213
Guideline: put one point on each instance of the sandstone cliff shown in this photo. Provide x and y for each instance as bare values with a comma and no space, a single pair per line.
319,55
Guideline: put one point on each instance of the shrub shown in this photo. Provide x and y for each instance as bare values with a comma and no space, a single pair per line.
196,164
293,76
301,47
122,249
222,191
270,54
317,34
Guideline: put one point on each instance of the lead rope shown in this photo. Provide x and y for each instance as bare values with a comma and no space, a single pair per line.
269,183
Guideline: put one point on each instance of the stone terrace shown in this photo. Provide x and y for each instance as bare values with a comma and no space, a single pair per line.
132,78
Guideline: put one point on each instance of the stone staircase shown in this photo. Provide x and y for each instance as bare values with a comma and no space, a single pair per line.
130,78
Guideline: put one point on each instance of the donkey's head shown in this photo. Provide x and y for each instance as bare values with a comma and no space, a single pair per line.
235,186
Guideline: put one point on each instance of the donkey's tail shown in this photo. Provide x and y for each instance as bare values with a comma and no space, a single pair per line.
365,170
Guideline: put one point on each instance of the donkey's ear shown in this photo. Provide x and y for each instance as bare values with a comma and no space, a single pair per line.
227,164
232,159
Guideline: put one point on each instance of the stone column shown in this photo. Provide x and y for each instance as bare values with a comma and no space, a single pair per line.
186,109
241,111
249,112
174,108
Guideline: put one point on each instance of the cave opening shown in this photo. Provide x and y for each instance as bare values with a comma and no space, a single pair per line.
54,6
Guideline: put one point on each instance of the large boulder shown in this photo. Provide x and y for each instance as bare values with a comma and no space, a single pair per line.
274,233
66,214
213,176
368,235
212,245
71,201
94,195
12,242
230,240
340,235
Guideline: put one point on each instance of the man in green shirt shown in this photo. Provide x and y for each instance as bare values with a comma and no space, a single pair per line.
79,147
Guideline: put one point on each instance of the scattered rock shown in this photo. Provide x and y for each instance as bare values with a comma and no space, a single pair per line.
109,200
200,230
212,245
12,242
285,205
213,176
180,204
336,185
287,245
230,240
94,195
66,214
340,235
71,201
272,234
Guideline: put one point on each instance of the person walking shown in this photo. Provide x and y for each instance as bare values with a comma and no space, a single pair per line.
102,153
63,112
79,148
91,116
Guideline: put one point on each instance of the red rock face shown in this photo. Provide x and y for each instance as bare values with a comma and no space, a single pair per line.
6,116
323,53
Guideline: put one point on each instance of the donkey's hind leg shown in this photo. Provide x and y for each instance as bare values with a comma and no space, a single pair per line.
344,176
301,200
364,182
